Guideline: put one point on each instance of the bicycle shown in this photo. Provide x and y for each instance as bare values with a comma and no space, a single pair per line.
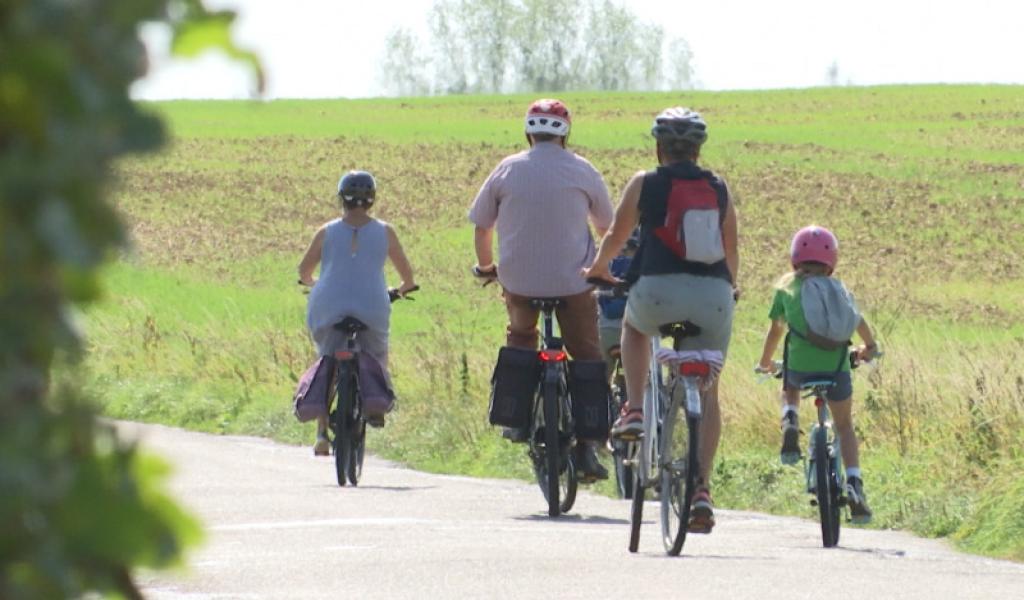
347,421
822,472
619,448
551,432
666,456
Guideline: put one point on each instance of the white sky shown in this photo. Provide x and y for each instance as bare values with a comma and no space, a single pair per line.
331,48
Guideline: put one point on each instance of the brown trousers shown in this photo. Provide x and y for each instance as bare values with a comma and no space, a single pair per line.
577,323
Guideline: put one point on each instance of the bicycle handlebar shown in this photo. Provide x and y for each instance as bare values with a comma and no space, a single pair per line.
394,295
609,289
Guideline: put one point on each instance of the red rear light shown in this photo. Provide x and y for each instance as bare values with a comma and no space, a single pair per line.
552,355
343,355
694,369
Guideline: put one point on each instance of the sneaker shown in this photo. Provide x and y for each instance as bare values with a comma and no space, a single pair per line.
860,514
629,425
515,435
702,514
376,421
322,447
790,453
587,464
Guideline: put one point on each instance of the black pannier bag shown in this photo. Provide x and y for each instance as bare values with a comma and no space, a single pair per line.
513,387
591,398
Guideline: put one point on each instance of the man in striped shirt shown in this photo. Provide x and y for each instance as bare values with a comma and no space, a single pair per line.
542,201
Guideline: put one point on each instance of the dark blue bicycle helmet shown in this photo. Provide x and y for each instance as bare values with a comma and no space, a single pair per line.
357,188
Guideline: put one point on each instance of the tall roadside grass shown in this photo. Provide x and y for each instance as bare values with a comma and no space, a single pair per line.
940,419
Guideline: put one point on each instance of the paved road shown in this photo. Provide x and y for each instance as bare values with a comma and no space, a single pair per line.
279,527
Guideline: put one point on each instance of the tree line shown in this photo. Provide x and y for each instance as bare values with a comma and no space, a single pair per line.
503,46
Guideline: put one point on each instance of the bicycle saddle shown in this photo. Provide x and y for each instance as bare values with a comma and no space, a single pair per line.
679,330
546,304
350,325
817,383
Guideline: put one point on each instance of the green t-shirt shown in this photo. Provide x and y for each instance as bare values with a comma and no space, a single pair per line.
803,355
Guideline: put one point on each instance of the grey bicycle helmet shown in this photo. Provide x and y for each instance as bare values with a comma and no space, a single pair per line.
357,188
680,124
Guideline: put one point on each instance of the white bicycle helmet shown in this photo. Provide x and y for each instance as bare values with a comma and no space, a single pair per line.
679,123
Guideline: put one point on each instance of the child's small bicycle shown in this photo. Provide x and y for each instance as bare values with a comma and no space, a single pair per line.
823,474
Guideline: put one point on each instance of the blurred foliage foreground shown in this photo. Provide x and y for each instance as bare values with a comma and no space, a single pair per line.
79,508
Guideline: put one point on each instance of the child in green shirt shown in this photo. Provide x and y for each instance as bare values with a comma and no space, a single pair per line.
814,252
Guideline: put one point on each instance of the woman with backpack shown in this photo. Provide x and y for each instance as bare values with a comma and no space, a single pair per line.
820,316
351,252
683,270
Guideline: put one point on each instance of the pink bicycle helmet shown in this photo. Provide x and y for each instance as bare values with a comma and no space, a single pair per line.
814,244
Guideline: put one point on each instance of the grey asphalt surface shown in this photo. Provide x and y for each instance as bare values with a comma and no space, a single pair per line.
278,526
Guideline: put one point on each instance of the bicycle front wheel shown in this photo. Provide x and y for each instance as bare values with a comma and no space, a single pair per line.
636,509
678,481
826,490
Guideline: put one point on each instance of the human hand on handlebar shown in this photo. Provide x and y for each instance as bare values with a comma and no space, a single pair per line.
488,274
867,353
402,293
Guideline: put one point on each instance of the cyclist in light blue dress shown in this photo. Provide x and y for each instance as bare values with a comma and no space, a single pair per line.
351,252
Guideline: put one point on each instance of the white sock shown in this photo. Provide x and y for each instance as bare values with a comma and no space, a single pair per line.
788,408
853,472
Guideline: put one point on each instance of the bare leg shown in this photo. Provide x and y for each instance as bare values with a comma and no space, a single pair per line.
710,433
636,358
843,421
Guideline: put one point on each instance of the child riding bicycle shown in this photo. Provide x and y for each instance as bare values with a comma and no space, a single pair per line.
611,308
806,299
351,252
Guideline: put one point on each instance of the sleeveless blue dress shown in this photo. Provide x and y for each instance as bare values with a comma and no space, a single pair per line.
351,283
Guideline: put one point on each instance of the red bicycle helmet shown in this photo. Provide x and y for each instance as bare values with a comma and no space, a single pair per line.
814,244
548,115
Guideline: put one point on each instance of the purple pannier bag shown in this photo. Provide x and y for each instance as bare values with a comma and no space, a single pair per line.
314,390
374,388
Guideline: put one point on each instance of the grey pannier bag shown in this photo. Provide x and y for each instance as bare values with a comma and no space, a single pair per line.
830,312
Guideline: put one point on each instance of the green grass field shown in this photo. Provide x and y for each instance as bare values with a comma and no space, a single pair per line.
202,324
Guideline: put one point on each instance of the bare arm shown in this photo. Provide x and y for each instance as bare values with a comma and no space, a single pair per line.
627,215
870,348
483,239
771,343
312,257
730,239
401,262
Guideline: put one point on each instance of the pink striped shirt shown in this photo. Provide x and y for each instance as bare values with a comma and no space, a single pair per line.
540,201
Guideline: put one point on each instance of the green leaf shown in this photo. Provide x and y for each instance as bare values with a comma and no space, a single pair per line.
212,31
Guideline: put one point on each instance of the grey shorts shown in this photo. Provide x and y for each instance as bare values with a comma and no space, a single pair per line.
707,302
842,390
610,337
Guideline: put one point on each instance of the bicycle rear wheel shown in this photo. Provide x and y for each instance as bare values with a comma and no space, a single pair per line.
355,465
342,423
552,458
825,490
678,472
